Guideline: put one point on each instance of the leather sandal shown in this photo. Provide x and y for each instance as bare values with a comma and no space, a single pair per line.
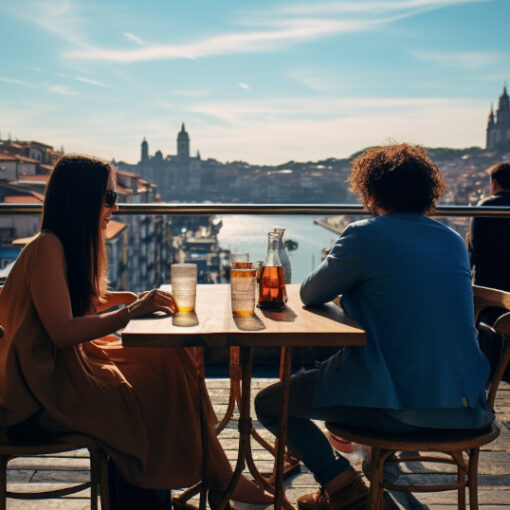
349,497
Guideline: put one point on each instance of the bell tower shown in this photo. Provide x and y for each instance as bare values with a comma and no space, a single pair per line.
144,151
183,143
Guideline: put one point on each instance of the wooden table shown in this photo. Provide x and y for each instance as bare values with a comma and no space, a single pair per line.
213,325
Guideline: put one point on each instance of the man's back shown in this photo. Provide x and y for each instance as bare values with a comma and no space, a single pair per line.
490,246
405,278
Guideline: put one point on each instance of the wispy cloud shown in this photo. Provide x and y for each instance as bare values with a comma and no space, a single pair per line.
233,43
311,79
191,92
62,90
372,6
134,38
278,28
93,82
306,108
13,81
244,86
473,60
61,18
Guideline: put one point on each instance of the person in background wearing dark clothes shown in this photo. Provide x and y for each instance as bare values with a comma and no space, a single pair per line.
489,248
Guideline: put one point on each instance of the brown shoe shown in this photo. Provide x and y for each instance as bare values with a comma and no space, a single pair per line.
347,497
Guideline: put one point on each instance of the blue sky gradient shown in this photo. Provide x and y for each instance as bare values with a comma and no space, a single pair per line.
262,81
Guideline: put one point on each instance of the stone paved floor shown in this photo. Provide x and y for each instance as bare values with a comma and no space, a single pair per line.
51,471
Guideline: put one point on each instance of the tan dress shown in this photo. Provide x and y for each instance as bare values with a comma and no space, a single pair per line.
139,403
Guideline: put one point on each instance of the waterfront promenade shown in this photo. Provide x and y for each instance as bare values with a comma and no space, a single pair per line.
51,471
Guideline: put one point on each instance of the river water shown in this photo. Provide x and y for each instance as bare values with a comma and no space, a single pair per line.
248,233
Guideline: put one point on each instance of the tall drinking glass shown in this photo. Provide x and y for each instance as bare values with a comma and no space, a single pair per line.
183,278
243,284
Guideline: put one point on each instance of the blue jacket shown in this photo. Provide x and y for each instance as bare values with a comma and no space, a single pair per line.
405,279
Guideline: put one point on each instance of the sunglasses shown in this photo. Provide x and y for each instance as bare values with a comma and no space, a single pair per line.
110,198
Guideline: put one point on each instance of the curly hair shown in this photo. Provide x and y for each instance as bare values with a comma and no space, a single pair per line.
400,178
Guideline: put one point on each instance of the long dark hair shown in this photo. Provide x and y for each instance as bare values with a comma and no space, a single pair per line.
72,206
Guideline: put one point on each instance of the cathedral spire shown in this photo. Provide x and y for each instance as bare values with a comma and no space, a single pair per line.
491,114
504,101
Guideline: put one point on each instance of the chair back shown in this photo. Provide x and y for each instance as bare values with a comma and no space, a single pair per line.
501,326
485,297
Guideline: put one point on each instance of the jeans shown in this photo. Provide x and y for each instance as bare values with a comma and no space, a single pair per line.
304,438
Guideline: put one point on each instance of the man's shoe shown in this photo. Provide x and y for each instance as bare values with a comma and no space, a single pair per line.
349,496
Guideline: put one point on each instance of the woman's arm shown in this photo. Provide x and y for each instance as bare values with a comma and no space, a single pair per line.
112,299
53,304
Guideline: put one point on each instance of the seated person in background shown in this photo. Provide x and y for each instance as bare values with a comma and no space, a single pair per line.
489,240
405,279
60,372
489,247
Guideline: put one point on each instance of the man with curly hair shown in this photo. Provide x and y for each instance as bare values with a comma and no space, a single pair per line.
405,279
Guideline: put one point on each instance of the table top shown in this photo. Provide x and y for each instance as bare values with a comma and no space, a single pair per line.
212,324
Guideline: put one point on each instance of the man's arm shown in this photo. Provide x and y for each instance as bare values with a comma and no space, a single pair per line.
337,274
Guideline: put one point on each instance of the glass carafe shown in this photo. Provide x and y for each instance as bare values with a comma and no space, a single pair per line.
284,256
272,292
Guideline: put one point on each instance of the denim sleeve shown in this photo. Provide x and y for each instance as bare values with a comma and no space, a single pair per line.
338,273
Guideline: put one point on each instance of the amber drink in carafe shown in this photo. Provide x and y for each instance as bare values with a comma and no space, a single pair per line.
272,292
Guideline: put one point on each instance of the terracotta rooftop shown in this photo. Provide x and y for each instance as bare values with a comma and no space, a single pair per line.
23,199
24,240
42,144
4,156
25,159
127,174
113,228
123,191
34,178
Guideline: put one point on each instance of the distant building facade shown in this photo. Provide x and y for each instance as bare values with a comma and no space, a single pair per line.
498,126
177,176
139,246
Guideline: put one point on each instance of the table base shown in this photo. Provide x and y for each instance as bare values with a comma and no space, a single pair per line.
241,371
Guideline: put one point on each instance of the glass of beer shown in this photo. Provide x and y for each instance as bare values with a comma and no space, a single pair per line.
243,285
183,278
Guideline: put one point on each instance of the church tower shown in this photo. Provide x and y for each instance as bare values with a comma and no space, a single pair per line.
498,126
183,143
144,151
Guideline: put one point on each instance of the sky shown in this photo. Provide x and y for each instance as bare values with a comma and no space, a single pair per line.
264,81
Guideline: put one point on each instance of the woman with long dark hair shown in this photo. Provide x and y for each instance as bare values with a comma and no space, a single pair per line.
60,370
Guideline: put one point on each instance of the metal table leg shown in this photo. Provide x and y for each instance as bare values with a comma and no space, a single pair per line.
281,501
245,423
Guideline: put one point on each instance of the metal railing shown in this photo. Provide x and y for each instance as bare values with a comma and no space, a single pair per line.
305,209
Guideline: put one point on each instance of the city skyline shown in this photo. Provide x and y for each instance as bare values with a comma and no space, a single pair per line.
264,82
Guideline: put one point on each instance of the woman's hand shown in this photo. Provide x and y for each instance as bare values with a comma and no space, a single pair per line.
152,301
